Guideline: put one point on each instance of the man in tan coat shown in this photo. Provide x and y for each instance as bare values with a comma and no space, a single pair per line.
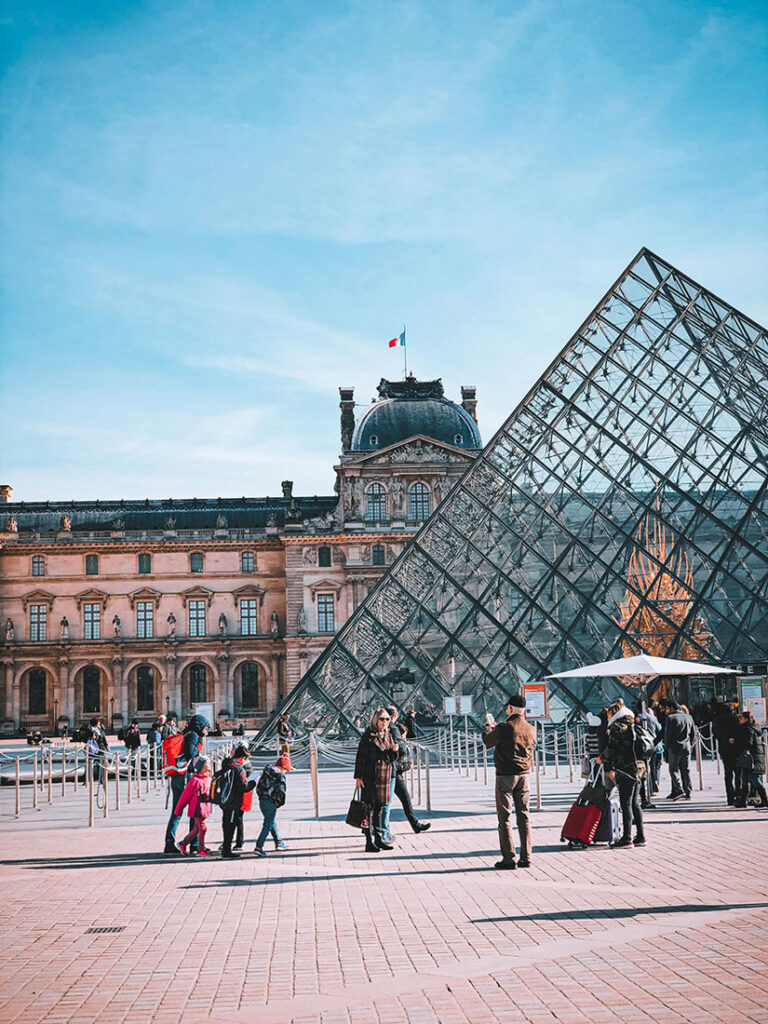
513,743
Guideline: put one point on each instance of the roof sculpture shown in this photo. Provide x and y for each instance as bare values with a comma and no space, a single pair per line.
645,440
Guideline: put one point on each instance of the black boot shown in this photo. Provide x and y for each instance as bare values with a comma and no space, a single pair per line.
763,796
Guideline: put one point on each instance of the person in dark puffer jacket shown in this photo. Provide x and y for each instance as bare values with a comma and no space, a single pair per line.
751,760
621,764
271,793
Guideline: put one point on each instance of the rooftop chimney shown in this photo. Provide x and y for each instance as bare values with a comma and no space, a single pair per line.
287,486
469,400
5,494
347,406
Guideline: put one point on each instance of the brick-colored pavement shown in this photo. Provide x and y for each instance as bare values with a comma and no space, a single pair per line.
676,933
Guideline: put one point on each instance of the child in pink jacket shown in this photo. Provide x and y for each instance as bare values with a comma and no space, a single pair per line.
196,797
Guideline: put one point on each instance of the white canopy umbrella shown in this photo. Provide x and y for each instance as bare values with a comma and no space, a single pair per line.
643,665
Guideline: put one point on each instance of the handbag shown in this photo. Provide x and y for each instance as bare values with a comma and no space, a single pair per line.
357,815
745,761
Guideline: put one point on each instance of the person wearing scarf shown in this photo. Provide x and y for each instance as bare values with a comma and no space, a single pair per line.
374,767
621,764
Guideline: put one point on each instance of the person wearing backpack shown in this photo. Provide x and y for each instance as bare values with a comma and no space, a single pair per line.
196,797
179,751
270,790
621,763
235,784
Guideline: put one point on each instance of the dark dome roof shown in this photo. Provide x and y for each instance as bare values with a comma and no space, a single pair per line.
410,407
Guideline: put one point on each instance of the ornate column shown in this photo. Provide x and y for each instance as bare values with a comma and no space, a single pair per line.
226,684
272,688
120,688
15,692
174,683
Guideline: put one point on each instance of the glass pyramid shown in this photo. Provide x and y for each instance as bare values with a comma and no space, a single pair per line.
620,508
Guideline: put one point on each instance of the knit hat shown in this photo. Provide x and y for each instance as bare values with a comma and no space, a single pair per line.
199,763
284,763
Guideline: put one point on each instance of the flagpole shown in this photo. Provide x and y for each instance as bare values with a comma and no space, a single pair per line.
405,353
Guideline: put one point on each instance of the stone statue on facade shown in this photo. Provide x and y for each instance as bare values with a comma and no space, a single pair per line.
116,625
64,624
274,625
65,523
171,620
170,523
365,553
310,556
438,489
302,619
10,632
222,624
12,525
118,524
221,522
398,495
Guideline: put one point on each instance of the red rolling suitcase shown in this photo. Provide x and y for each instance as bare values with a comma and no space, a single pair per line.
581,824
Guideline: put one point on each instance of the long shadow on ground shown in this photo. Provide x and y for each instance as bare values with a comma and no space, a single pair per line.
619,912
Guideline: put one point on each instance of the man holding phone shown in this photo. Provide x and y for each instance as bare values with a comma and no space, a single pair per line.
513,743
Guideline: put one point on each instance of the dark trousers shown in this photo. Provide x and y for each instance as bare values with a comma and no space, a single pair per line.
229,822
401,791
655,764
730,772
629,797
679,771
375,829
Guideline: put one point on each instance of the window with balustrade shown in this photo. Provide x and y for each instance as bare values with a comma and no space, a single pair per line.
38,622
197,618
249,612
145,619
92,621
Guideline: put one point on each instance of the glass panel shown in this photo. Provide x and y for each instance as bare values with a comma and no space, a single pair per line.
38,622
419,502
246,561
324,557
145,688
38,566
91,690
92,621
378,554
197,618
145,622
249,686
376,503
325,613
91,565
197,684
196,562
249,611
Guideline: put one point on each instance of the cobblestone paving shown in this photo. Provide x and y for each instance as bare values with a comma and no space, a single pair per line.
676,933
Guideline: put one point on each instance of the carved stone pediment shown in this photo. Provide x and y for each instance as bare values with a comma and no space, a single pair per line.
250,592
92,596
37,597
197,594
325,586
419,450
145,594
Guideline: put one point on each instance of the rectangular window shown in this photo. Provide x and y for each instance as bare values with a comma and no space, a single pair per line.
197,618
196,561
378,554
38,622
248,624
145,619
325,623
145,564
92,621
91,565
38,566
246,561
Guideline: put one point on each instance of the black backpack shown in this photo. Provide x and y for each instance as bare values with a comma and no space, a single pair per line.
222,784
644,745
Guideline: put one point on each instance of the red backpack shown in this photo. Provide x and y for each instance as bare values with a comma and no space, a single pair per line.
173,749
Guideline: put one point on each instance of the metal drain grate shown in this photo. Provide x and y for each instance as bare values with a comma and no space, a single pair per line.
102,931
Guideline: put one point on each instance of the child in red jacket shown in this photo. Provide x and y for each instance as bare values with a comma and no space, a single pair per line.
196,797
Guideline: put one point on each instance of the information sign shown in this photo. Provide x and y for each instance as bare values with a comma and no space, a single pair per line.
757,707
536,700
465,704
449,705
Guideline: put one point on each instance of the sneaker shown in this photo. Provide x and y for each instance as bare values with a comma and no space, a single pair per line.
621,844
282,845
680,796
181,847
231,855
260,851
523,863
638,841
204,853
505,865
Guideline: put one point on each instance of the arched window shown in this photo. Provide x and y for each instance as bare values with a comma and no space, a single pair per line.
196,561
324,557
36,691
38,565
378,554
419,501
249,686
91,690
197,687
145,688
376,507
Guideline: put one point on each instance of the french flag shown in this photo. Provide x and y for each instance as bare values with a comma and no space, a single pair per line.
394,342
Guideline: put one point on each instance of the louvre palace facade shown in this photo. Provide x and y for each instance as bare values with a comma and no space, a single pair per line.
129,609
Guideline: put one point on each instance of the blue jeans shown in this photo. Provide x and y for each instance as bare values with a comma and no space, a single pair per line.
178,782
387,809
269,810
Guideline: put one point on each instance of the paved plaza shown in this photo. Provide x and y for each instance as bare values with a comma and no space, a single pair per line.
676,933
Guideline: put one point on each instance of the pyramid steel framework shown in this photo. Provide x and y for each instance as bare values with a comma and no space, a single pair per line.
643,445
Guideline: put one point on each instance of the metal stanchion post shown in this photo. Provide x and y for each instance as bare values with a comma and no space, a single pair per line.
117,780
450,729
63,771
50,775
569,746
485,765
34,778
698,760
90,792
466,741
538,779
104,781
411,779
313,772
75,782
477,766
146,767
129,781
418,774
18,790
426,779
543,750
716,754
557,755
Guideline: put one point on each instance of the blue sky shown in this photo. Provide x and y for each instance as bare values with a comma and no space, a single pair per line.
215,213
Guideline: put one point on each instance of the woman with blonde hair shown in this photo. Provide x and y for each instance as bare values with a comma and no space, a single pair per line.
374,766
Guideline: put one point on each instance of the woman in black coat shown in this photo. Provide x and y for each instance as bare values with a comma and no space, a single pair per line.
750,760
374,764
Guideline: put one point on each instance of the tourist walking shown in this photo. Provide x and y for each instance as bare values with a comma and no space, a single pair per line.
513,743
679,736
750,760
186,748
132,741
154,743
622,766
98,748
386,819
374,768
196,797
237,784
402,767
270,790
725,729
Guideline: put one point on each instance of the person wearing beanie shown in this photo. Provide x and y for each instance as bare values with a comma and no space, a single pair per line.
271,792
512,742
621,763
238,784
196,797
